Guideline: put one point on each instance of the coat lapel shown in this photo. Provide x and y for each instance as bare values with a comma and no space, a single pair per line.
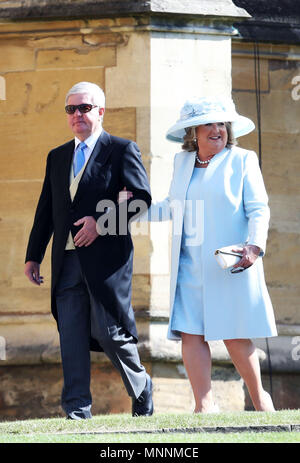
186,167
183,174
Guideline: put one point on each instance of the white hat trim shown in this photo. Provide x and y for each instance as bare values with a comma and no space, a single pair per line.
241,125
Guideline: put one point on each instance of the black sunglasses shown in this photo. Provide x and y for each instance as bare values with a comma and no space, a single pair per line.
82,108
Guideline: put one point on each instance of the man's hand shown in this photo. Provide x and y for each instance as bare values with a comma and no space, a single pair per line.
87,234
32,271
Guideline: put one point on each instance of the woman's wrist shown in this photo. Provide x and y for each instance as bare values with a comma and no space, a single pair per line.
255,249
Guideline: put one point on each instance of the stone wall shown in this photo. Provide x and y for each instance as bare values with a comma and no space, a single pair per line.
280,161
146,66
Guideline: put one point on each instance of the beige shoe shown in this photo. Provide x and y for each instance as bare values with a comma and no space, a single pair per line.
213,409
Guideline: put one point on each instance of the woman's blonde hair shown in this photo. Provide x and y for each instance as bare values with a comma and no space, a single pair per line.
190,140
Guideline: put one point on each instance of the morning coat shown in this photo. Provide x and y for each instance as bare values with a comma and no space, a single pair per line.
107,263
235,211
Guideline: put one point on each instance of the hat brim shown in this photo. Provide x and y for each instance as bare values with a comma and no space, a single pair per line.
241,125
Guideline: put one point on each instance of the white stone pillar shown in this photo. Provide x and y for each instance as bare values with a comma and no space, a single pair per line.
182,65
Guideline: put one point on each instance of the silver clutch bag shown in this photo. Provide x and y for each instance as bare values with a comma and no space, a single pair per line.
226,258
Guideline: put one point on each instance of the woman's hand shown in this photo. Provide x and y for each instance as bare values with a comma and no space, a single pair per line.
124,195
250,254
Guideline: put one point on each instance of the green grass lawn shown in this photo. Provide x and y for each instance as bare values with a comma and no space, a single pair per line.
160,428
217,438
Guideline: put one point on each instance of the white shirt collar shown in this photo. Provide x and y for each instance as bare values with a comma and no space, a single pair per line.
91,140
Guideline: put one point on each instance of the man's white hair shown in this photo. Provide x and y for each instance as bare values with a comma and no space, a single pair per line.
94,90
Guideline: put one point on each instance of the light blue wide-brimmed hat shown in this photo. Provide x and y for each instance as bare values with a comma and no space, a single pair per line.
199,111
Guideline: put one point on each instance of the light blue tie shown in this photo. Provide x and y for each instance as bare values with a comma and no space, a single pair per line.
79,158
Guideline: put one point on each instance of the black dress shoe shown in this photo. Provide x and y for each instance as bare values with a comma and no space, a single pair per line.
79,415
143,405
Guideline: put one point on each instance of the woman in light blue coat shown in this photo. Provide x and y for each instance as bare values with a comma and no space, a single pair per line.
217,198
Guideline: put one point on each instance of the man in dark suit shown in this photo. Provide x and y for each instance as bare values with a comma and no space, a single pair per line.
91,263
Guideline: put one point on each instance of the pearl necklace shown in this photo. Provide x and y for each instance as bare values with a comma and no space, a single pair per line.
202,162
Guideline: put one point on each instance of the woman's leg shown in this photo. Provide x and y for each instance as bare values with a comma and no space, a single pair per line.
245,359
197,361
